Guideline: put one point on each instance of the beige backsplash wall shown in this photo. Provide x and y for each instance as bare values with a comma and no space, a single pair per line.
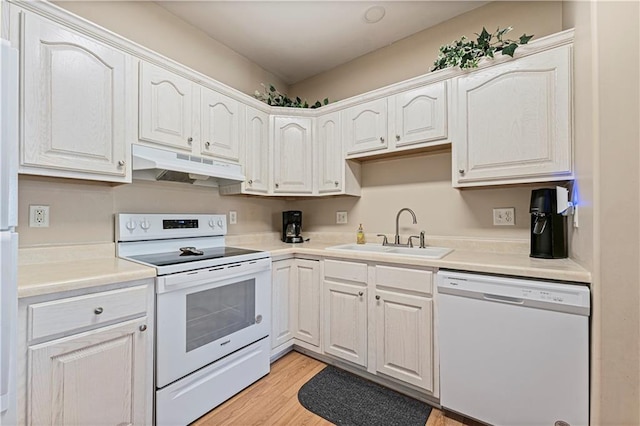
148,24
83,212
422,183
414,55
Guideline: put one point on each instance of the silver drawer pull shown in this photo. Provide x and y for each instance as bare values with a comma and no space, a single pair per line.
360,293
378,297
98,310
143,327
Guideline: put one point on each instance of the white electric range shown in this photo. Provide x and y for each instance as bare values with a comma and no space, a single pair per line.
212,309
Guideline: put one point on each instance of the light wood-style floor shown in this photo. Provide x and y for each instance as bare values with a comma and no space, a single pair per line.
273,400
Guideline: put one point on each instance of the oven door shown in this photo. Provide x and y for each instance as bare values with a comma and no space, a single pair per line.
206,314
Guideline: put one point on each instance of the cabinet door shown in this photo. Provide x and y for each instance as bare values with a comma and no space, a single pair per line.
420,115
404,341
306,307
330,159
166,107
364,127
97,377
281,299
74,105
220,126
345,321
515,121
256,162
293,155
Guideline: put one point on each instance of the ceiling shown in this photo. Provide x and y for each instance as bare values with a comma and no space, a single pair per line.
296,40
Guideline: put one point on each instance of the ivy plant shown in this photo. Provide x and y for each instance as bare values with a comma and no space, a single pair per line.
273,97
465,53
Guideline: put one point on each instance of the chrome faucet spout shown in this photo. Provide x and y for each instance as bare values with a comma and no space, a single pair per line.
415,221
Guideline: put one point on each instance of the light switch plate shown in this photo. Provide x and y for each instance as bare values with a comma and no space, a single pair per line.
341,218
233,217
504,216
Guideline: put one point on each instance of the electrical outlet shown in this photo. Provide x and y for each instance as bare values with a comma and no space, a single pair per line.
504,216
39,216
233,217
341,218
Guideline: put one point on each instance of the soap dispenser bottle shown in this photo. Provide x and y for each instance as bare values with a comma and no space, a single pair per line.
360,235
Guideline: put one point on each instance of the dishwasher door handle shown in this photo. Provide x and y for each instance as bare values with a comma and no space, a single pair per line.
503,299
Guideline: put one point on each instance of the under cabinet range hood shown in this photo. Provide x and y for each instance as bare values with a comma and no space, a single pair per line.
162,165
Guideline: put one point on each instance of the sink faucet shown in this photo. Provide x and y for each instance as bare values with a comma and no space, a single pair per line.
397,237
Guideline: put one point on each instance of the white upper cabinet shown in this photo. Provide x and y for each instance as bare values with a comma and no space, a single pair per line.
406,120
75,107
418,115
293,155
365,127
166,108
178,113
220,126
514,122
330,158
256,161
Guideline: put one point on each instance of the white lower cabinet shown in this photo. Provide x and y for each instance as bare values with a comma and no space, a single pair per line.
345,310
295,302
404,325
88,370
97,377
381,317
345,321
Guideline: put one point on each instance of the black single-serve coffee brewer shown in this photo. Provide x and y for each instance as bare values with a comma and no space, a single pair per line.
292,226
548,223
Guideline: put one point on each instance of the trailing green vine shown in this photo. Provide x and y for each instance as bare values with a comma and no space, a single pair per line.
271,96
465,53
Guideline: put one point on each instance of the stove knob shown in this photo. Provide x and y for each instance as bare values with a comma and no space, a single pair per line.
220,223
212,223
131,225
145,224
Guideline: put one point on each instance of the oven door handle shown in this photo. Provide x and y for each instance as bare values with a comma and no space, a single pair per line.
212,275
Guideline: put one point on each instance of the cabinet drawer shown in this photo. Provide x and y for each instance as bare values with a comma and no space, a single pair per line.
417,280
65,315
350,271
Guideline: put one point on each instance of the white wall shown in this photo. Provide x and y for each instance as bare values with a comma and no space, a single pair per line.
83,212
423,182
414,55
148,24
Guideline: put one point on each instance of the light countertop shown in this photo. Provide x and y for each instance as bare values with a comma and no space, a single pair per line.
517,264
58,269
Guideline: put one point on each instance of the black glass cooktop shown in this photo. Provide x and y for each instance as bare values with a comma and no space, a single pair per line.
177,257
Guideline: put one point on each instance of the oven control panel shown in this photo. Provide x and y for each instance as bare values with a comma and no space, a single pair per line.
135,227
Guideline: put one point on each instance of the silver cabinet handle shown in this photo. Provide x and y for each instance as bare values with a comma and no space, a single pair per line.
277,185
143,327
189,140
98,310
336,183
207,144
121,163
377,297
397,137
381,139
250,182
461,171
360,293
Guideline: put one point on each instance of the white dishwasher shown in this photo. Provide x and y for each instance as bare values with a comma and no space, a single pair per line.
514,351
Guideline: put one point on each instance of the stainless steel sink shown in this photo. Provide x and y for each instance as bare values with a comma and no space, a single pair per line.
425,253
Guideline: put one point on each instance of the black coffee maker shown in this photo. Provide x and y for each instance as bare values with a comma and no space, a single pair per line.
548,224
292,226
